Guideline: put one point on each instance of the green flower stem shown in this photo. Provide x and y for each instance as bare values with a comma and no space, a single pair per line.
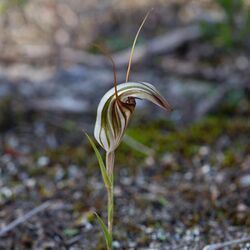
110,156
110,210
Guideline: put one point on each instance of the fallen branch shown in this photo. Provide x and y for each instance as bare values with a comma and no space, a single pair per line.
225,244
162,44
24,218
189,68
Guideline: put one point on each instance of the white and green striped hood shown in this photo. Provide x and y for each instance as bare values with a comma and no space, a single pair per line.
113,114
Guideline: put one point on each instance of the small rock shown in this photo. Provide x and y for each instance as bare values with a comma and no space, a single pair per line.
148,230
192,234
43,161
204,150
73,171
188,176
246,247
60,173
150,161
242,62
242,207
6,192
167,159
31,183
245,181
132,244
116,245
205,169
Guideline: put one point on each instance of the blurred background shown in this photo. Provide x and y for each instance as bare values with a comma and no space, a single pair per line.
182,179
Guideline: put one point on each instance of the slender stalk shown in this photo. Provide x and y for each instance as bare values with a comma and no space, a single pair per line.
110,210
110,156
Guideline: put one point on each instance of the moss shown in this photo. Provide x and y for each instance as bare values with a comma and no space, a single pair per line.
144,240
238,126
78,206
70,126
194,220
229,158
241,219
186,142
126,154
235,102
36,171
100,244
44,191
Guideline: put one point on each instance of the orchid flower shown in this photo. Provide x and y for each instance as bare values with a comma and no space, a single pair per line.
115,110
113,115
117,105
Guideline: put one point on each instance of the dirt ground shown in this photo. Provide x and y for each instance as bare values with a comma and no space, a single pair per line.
182,180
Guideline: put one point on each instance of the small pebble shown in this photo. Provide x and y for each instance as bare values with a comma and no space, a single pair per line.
43,161
60,173
116,244
204,150
30,183
205,169
6,192
245,180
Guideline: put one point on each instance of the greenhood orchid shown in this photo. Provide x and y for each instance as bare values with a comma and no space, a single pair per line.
115,110
116,106
113,115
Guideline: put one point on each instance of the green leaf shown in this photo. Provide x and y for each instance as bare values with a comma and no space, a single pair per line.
105,177
70,232
107,236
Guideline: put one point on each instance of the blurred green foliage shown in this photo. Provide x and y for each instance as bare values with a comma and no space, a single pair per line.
5,5
234,29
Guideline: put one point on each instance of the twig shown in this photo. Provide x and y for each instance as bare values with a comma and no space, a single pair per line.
225,244
24,218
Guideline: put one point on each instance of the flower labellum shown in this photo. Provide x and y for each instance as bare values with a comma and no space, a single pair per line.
117,105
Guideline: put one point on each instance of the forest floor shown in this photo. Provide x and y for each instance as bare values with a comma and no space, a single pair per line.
191,189
182,180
